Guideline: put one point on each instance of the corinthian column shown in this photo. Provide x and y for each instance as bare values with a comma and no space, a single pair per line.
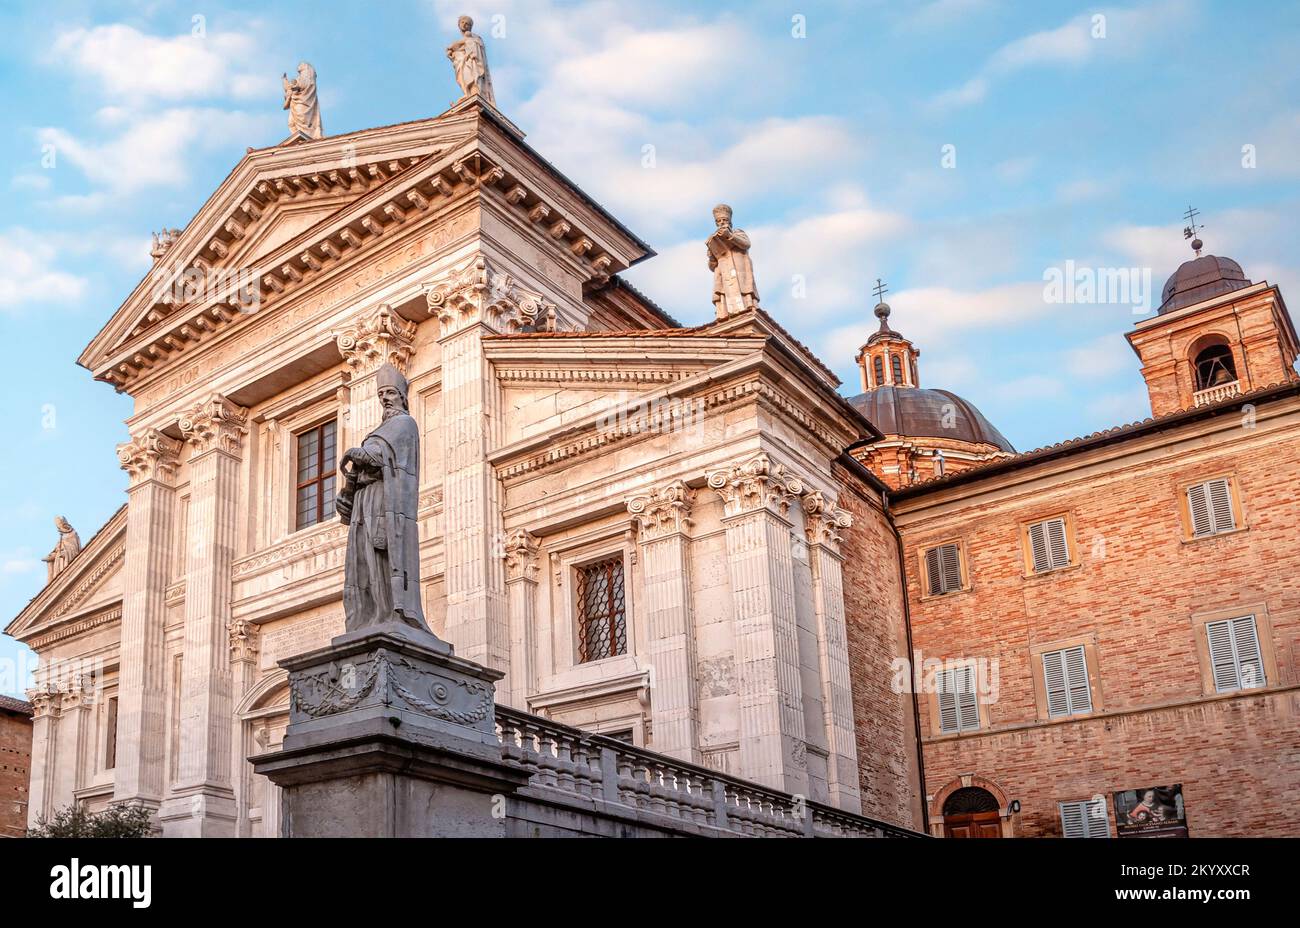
823,523
521,591
756,497
663,520
245,642
150,461
46,703
204,802
377,337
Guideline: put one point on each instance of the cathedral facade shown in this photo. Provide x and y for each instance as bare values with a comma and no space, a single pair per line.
686,538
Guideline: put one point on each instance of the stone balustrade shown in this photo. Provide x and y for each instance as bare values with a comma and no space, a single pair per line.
582,783
1215,394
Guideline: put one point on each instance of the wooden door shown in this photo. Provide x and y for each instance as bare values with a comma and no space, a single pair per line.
973,825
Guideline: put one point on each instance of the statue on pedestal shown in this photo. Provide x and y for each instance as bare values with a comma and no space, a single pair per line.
733,271
468,57
381,580
67,548
300,100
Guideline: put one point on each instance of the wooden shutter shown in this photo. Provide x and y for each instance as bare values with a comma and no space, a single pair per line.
1076,674
949,719
1210,506
958,705
1234,654
1085,818
943,569
934,572
1058,700
1048,545
1221,506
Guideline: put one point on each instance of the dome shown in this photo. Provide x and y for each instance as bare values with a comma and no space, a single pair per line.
917,413
1200,279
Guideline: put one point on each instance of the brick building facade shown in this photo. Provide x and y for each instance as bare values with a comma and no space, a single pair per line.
15,765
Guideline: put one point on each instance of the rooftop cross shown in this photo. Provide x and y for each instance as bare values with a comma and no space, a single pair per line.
880,290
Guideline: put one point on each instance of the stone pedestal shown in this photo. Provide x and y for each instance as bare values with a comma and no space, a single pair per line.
390,735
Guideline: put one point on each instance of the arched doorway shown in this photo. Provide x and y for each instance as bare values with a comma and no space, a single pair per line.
971,812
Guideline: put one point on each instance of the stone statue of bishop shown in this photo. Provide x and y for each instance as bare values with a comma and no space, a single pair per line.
300,100
381,573
468,57
68,546
733,271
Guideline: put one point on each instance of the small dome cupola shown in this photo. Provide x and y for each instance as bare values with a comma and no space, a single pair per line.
1201,278
887,359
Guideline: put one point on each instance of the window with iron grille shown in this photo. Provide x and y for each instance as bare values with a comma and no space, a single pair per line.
1210,506
602,610
1048,545
1235,655
316,466
1085,818
1065,674
943,569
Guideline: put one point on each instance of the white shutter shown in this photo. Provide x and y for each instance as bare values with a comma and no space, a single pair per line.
1048,545
1221,506
1076,673
1038,547
1058,702
949,720
1198,504
1223,660
1085,818
968,714
933,572
1250,664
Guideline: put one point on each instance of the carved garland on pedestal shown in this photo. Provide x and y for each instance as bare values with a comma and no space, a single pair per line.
327,691
476,292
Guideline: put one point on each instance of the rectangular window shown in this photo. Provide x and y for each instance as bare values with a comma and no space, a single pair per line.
1210,506
958,708
1049,548
1065,674
316,466
602,613
1235,655
110,745
943,569
1085,818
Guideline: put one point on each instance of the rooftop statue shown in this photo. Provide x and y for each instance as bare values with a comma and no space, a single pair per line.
300,100
733,271
67,548
468,57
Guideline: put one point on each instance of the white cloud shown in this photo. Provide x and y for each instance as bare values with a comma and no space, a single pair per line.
127,63
151,150
1103,357
28,274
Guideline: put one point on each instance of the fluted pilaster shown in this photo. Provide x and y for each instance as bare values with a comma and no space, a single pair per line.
521,562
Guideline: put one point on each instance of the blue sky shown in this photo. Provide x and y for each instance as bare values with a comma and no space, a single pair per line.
1067,144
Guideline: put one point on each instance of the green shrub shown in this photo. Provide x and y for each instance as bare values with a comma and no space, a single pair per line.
126,821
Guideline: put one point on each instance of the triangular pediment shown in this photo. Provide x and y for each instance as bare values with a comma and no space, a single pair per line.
91,584
273,197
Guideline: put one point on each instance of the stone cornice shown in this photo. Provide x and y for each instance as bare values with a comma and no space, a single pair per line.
73,629
150,455
215,424
332,536
664,511
376,338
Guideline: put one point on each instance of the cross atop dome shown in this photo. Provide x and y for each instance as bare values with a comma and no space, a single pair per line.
1191,229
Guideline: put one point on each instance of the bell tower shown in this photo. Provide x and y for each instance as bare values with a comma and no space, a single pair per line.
1216,335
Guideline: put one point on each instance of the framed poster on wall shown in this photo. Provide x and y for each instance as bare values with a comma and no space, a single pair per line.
1151,812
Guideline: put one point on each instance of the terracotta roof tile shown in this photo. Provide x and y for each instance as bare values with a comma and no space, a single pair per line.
10,704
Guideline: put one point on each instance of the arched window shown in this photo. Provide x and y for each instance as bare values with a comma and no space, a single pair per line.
1215,367
879,366
896,365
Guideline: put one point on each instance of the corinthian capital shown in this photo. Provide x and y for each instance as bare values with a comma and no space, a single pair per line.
756,484
244,640
216,422
46,699
664,511
377,338
150,455
476,292
823,522
521,555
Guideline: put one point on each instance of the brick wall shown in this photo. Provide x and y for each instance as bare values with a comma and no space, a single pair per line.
873,609
15,764
1133,598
